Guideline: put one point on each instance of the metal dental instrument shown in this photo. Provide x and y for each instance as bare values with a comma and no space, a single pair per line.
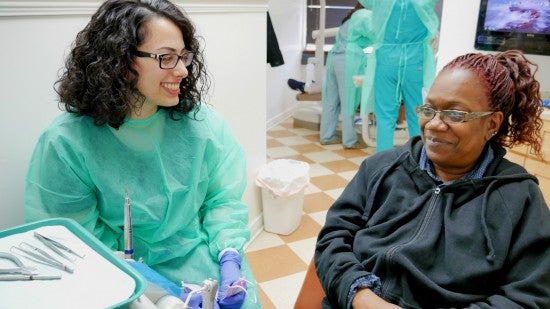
210,288
21,271
40,256
57,246
28,277
128,235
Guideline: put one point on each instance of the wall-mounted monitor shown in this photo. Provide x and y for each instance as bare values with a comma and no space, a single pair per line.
514,24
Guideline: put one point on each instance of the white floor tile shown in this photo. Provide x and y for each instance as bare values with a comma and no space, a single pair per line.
265,240
304,248
284,291
319,217
293,140
310,188
316,169
323,156
334,193
358,160
348,175
278,152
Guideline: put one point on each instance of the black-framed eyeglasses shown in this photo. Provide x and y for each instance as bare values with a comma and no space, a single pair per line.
448,116
170,60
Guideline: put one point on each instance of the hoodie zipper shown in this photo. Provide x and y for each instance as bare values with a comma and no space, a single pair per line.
391,251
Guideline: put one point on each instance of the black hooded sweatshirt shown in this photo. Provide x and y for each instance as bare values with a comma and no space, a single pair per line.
481,243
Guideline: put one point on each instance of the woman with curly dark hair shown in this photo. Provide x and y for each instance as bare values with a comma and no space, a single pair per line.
446,221
101,77
135,122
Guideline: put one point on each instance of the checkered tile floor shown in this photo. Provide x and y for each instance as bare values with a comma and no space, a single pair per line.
280,262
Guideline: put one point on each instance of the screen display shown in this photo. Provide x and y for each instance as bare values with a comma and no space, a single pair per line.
514,24
526,16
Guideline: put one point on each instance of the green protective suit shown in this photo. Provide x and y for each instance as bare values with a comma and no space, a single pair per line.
356,39
340,95
381,14
185,180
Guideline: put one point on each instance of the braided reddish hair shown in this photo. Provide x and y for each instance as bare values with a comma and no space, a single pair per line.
511,89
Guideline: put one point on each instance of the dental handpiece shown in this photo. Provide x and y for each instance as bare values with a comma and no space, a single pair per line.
210,288
128,238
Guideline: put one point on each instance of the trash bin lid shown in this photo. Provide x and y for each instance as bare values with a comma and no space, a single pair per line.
283,177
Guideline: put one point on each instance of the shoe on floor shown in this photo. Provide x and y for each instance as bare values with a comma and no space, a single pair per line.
296,85
331,142
357,145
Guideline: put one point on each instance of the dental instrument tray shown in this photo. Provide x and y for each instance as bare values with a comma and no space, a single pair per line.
100,279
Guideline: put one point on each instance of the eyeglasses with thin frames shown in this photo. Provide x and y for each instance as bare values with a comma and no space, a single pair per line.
170,60
448,116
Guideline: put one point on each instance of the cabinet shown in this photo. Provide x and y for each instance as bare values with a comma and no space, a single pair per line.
533,164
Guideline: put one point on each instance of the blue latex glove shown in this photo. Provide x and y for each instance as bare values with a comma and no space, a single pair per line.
155,278
195,301
232,287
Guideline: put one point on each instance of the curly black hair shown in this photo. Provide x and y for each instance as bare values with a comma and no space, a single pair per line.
98,79
509,78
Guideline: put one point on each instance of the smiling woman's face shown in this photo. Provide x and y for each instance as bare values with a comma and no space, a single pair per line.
159,86
455,148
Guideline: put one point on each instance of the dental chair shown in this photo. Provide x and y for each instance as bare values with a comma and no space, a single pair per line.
368,127
311,294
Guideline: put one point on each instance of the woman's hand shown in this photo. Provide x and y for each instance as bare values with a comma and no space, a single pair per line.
366,299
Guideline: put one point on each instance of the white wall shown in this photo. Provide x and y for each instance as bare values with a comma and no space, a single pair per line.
289,22
35,37
235,38
458,28
27,99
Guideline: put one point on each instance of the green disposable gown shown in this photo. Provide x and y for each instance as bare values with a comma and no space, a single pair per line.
185,179
352,44
340,95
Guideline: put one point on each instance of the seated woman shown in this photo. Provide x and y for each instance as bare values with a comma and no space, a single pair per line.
135,121
445,220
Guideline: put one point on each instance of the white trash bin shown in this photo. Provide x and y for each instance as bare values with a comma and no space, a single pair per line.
283,183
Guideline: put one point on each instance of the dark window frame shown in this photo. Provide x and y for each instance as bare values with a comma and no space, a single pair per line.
335,11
